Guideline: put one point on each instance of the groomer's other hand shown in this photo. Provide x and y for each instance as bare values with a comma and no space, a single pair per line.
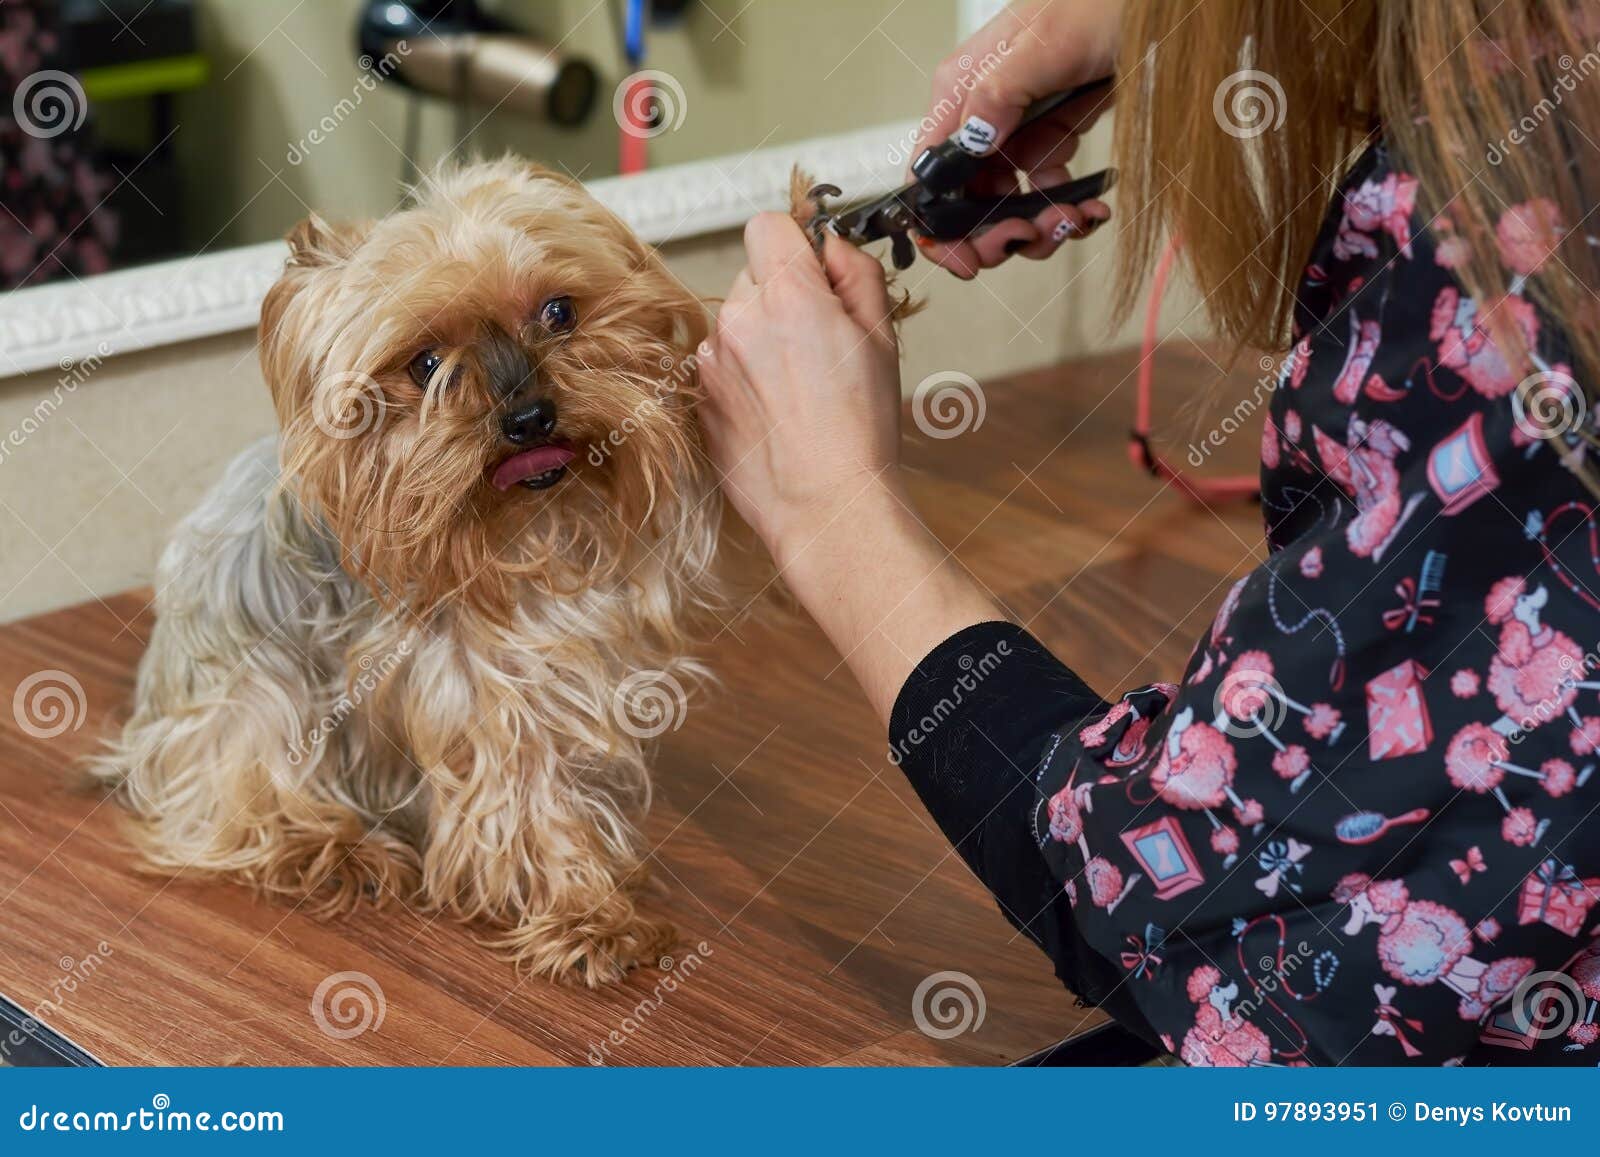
802,418
802,384
1027,52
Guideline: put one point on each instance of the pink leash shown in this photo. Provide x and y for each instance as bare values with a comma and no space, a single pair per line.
1208,491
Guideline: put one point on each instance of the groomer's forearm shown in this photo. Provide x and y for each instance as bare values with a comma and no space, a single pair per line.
880,586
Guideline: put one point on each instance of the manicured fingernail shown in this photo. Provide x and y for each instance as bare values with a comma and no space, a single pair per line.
1063,230
976,136
924,242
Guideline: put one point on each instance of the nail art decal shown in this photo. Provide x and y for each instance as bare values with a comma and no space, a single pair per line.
977,136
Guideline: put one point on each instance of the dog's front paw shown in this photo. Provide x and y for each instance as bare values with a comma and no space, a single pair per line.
583,949
333,872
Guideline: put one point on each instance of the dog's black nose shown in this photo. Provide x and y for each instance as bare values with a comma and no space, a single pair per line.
529,422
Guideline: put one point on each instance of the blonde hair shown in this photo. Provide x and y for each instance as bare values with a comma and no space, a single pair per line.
1489,103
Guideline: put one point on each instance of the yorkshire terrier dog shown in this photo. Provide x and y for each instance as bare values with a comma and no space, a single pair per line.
394,647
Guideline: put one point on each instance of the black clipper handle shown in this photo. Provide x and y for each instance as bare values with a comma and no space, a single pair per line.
955,219
947,166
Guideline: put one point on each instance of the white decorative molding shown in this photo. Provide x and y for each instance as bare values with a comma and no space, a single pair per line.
56,325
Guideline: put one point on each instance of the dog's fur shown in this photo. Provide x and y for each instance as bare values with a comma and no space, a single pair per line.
374,675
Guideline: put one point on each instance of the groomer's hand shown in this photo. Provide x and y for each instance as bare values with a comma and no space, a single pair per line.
802,383
802,418
1027,52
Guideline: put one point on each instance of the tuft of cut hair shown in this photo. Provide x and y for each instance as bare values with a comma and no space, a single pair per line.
804,209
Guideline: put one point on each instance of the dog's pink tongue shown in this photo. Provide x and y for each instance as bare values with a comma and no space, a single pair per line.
529,464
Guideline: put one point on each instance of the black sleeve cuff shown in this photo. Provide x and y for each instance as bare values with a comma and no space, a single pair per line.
969,729
971,723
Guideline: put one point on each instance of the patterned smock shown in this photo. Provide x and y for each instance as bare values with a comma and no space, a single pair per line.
1359,829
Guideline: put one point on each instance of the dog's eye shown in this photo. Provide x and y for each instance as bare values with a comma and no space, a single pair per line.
558,315
423,365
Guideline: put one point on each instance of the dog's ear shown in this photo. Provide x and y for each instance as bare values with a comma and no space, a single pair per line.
314,242
316,248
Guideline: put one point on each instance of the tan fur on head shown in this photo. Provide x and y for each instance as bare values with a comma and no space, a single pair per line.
374,675
401,475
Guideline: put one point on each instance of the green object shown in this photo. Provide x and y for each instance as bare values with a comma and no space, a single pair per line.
144,77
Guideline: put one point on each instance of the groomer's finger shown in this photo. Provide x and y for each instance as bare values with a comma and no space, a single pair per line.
1095,211
979,120
777,247
1089,216
859,281
1054,141
1040,155
737,317
743,287
1004,239
1056,225
742,299
725,386
958,257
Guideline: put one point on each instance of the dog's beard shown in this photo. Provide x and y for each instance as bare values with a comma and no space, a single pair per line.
423,526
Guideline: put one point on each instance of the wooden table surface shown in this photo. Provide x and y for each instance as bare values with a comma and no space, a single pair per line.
790,846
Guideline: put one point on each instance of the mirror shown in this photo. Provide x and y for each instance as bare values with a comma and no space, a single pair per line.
150,130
